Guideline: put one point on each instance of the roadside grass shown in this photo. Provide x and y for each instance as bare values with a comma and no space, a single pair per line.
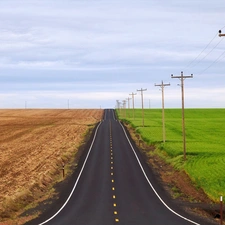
205,143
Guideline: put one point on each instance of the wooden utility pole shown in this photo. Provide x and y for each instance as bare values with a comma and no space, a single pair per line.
133,94
162,85
118,105
220,34
142,102
128,100
182,77
124,108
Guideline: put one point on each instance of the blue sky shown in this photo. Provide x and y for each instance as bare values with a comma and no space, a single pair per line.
93,53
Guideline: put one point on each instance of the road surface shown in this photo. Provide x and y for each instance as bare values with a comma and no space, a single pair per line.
115,186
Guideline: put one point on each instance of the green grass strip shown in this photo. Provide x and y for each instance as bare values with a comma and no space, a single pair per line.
205,143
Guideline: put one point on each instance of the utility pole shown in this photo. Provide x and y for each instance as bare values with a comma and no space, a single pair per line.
128,100
220,34
142,102
182,77
133,94
162,85
118,105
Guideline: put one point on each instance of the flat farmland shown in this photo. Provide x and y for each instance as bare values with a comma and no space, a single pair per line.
205,129
34,144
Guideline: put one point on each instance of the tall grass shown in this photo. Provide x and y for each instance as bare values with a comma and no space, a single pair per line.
205,142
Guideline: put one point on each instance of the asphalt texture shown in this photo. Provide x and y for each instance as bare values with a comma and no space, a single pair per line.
114,186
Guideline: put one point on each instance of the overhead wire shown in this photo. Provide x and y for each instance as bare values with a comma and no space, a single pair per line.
199,61
201,51
209,52
215,61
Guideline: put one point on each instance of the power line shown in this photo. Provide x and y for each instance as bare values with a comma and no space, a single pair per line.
212,63
201,52
209,52
196,61
221,55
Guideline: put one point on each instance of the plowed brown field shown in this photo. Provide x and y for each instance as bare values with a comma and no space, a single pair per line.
33,146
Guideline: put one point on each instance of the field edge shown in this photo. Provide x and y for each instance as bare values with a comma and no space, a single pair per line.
176,182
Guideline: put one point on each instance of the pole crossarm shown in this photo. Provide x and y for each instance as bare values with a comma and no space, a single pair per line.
142,90
182,76
162,85
133,94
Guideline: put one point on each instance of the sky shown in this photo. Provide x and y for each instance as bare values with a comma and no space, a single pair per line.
90,53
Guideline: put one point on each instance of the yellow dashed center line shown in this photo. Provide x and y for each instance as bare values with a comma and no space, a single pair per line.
115,211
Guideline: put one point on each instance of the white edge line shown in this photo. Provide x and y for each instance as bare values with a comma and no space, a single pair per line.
151,183
75,182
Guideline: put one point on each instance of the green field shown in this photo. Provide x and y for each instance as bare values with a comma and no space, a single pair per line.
205,142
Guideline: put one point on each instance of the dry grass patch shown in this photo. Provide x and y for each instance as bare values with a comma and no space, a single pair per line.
33,146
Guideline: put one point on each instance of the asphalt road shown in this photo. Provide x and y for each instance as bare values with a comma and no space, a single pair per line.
115,186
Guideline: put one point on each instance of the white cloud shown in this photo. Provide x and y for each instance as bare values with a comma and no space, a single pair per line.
108,49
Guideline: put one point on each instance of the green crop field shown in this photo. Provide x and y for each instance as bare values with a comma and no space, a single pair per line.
205,142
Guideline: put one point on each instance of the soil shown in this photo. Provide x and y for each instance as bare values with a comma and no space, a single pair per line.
34,146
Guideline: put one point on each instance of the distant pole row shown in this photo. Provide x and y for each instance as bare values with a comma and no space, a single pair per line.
182,77
162,85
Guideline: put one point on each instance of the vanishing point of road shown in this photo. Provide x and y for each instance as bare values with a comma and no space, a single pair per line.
114,186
